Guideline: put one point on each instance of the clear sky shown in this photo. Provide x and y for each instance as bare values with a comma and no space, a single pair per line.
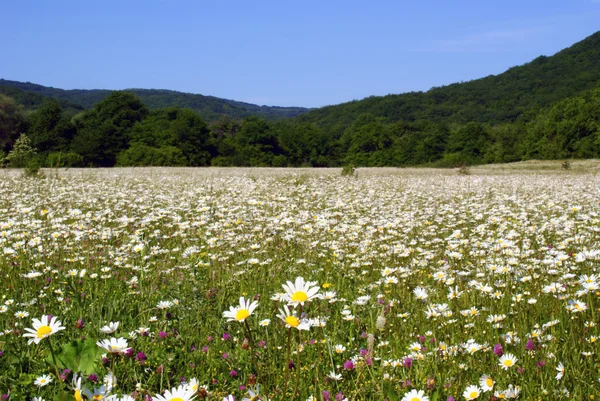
282,53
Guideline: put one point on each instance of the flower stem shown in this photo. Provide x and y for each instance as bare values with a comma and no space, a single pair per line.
287,361
295,392
55,364
251,340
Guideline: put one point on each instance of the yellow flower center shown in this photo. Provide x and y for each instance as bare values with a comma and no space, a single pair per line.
98,397
473,395
299,296
415,399
77,395
508,362
176,399
241,315
292,321
43,331
489,382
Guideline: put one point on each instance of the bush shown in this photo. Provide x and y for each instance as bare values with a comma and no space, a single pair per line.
59,159
22,153
348,169
139,155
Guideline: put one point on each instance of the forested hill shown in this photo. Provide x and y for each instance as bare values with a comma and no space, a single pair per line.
494,99
33,100
210,108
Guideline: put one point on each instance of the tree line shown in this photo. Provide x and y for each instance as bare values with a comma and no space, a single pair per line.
122,131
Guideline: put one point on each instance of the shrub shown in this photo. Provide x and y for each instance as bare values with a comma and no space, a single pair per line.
22,153
348,169
59,159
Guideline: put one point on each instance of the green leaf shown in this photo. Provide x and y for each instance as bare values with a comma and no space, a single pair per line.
78,356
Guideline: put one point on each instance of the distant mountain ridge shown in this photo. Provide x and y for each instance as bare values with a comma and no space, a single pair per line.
211,108
494,99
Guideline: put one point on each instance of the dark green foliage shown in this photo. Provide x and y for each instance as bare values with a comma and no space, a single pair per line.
12,122
142,155
106,130
60,159
175,127
50,130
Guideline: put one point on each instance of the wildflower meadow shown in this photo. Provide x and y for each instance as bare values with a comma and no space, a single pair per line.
296,284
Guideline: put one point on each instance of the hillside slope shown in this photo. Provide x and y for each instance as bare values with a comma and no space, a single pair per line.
494,99
209,107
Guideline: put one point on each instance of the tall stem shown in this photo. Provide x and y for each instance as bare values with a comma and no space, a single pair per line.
55,364
251,340
287,361
295,392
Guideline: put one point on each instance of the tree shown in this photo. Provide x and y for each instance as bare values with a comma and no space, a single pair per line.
106,130
49,129
12,122
22,153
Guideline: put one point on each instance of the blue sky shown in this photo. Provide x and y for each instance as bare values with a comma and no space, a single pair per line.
283,53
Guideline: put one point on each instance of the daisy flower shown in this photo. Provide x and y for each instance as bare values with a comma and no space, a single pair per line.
340,349
507,360
265,322
561,371
242,312
43,380
486,383
181,393
471,392
114,345
414,395
300,291
292,320
334,376
110,328
43,328
164,305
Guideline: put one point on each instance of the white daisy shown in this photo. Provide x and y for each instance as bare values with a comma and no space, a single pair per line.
507,360
110,328
414,395
300,291
43,328
471,392
114,345
242,312
181,393
43,380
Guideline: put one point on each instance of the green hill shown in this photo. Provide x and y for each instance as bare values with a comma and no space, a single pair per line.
494,99
210,108
33,100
